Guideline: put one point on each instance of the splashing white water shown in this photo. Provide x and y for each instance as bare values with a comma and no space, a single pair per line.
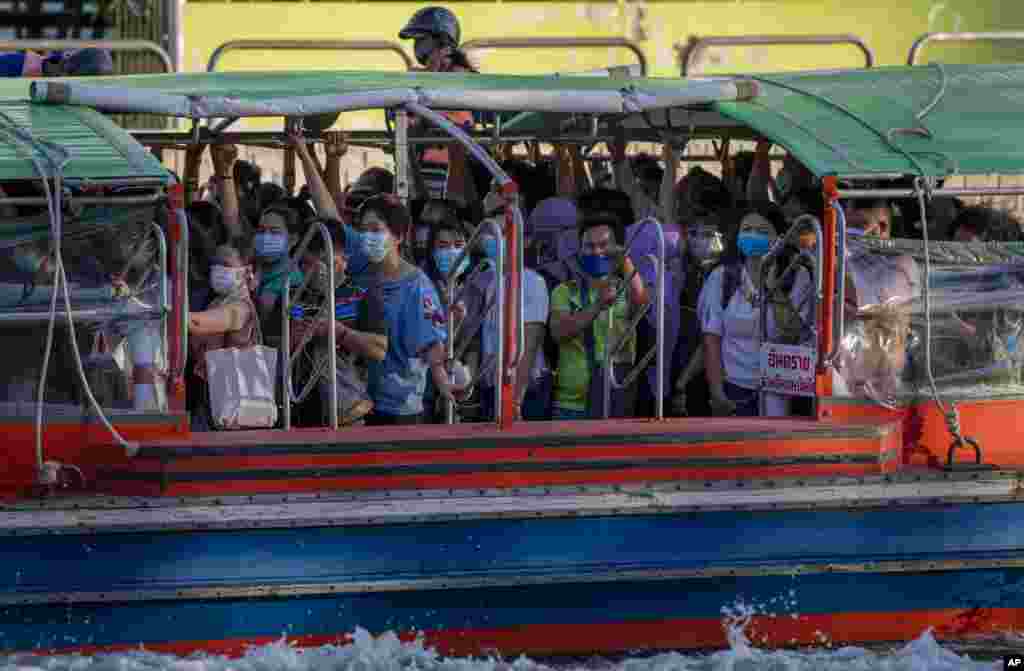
388,653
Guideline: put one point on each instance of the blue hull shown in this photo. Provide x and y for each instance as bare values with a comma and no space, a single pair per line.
125,585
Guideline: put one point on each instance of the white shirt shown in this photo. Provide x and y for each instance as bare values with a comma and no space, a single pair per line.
535,311
739,324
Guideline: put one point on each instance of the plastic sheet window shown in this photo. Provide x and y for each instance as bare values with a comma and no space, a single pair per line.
112,265
977,318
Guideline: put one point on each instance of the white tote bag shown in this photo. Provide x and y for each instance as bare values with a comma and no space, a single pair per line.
241,386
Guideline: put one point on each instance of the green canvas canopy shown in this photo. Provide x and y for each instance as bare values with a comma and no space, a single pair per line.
860,122
100,150
939,120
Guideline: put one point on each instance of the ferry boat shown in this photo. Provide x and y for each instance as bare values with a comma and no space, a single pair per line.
871,521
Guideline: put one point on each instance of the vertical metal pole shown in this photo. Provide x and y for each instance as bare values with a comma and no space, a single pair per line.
165,305
826,337
332,336
609,365
286,355
511,309
449,291
659,316
402,164
178,348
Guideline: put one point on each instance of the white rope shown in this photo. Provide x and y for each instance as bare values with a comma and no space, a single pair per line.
923,189
60,284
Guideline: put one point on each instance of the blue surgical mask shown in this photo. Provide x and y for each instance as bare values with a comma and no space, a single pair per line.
595,265
490,246
754,243
375,245
444,258
270,245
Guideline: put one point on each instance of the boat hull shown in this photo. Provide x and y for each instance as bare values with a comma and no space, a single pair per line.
555,572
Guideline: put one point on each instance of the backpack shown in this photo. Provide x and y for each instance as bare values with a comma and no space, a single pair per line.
788,324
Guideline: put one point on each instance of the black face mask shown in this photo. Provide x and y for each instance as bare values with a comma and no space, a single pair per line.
424,46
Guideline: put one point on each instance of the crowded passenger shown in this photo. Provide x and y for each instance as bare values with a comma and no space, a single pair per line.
231,320
357,317
415,318
447,265
730,315
591,315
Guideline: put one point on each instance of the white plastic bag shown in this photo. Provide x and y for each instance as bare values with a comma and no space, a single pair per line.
241,385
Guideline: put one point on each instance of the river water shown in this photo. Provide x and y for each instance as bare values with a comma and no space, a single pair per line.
387,653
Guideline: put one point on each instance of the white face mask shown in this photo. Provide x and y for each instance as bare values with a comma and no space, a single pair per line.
225,279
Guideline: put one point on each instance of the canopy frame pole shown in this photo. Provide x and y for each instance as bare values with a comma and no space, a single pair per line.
690,53
178,347
956,192
827,306
308,45
403,166
571,43
919,43
510,333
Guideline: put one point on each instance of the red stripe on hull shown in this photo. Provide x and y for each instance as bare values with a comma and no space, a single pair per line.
674,634
480,480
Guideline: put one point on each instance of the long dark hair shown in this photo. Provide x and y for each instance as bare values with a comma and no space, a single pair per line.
731,228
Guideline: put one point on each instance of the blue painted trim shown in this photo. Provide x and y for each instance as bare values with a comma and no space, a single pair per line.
504,548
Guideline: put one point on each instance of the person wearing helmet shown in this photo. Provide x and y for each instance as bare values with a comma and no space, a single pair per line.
436,34
443,171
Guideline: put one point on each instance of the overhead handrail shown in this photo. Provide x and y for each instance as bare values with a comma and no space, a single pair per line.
109,45
560,43
308,45
659,329
921,42
328,308
690,52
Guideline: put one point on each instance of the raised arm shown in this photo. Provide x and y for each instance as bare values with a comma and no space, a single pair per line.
335,148
325,205
564,171
224,157
760,187
193,162
667,195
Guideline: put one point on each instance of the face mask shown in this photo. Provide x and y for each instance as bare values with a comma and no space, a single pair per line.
489,243
445,258
28,262
754,243
375,245
225,280
595,265
423,47
270,245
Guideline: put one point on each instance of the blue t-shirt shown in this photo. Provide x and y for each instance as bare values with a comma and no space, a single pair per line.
12,63
415,321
